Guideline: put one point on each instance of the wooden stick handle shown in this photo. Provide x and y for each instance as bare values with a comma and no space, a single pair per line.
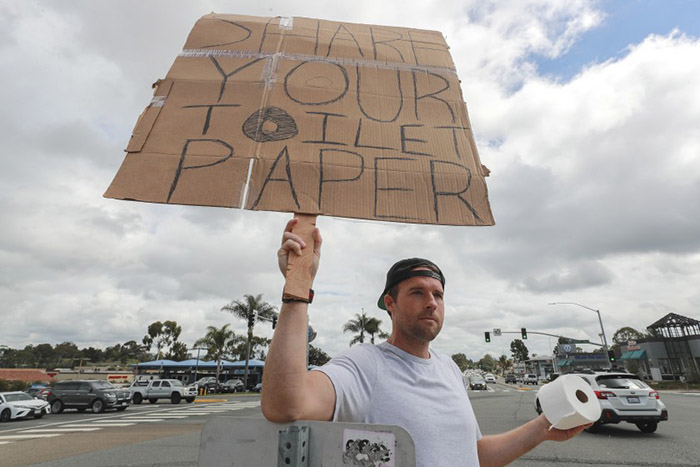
298,277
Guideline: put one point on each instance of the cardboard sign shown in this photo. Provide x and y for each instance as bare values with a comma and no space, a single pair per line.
309,116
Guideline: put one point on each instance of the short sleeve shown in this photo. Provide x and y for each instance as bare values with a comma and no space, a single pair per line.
353,375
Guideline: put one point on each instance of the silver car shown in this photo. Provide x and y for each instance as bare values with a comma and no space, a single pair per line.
623,397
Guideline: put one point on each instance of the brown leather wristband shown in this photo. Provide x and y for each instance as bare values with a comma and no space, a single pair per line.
289,299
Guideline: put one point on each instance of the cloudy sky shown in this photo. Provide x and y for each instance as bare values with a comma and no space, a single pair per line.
587,114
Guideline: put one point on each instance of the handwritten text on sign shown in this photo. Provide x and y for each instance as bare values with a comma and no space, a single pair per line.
340,119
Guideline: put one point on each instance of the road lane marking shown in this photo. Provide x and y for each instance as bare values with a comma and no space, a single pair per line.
59,430
37,435
144,419
100,424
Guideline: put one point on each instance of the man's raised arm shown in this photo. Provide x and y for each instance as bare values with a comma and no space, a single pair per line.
290,391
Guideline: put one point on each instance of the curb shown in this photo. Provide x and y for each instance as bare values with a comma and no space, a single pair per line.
210,400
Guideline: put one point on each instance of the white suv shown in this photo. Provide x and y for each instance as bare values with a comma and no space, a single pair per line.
530,379
624,398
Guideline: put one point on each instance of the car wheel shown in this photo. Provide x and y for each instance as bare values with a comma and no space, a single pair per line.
152,400
138,398
57,406
39,414
5,415
595,428
175,398
189,400
648,427
98,406
538,407
121,409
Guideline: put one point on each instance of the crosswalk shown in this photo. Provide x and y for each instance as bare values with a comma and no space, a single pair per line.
84,426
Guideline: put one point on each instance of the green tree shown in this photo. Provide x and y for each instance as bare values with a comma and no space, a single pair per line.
217,341
519,350
361,325
487,363
317,356
373,328
252,308
238,348
164,335
503,363
461,360
625,334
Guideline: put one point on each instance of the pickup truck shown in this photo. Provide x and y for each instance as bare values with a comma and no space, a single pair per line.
155,389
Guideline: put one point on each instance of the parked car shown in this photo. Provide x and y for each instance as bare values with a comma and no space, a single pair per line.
510,378
87,394
232,385
257,388
208,382
477,383
155,389
623,397
530,378
35,389
489,378
17,404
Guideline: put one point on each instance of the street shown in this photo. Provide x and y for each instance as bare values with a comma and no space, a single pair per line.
165,434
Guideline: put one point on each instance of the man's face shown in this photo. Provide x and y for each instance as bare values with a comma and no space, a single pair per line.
418,311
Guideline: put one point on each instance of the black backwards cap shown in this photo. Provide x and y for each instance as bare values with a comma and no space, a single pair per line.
405,269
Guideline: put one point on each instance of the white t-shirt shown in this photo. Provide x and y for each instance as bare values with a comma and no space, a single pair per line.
382,384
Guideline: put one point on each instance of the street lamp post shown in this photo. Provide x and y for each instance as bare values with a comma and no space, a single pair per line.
196,365
602,329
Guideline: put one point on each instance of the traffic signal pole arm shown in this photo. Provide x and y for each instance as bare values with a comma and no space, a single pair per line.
576,341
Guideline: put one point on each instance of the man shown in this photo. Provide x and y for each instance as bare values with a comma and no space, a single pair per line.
399,382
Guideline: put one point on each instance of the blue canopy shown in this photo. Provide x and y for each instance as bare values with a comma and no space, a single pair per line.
157,364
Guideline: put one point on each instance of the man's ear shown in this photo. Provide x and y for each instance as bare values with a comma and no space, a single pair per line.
389,304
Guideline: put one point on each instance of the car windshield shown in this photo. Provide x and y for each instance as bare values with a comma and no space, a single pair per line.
620,382
103,385
18,397
476,380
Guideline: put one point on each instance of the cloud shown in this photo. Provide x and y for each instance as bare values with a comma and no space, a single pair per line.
594,187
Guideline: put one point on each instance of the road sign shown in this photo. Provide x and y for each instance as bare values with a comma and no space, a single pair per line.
496,332
579,341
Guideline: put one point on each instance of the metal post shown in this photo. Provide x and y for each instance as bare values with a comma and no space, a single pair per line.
605,341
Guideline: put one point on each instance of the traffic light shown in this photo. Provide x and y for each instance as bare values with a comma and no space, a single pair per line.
611,355
274,321
251,320
487,336
523,331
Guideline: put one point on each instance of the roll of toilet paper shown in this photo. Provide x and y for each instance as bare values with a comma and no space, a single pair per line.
569,401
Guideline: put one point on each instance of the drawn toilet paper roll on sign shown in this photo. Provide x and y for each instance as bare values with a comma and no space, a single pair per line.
568,402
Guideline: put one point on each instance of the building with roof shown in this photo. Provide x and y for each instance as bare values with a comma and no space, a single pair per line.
671,352
189,371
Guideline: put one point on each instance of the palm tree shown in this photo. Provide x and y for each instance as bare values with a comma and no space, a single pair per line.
363,324
372,328
216,342
250,308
